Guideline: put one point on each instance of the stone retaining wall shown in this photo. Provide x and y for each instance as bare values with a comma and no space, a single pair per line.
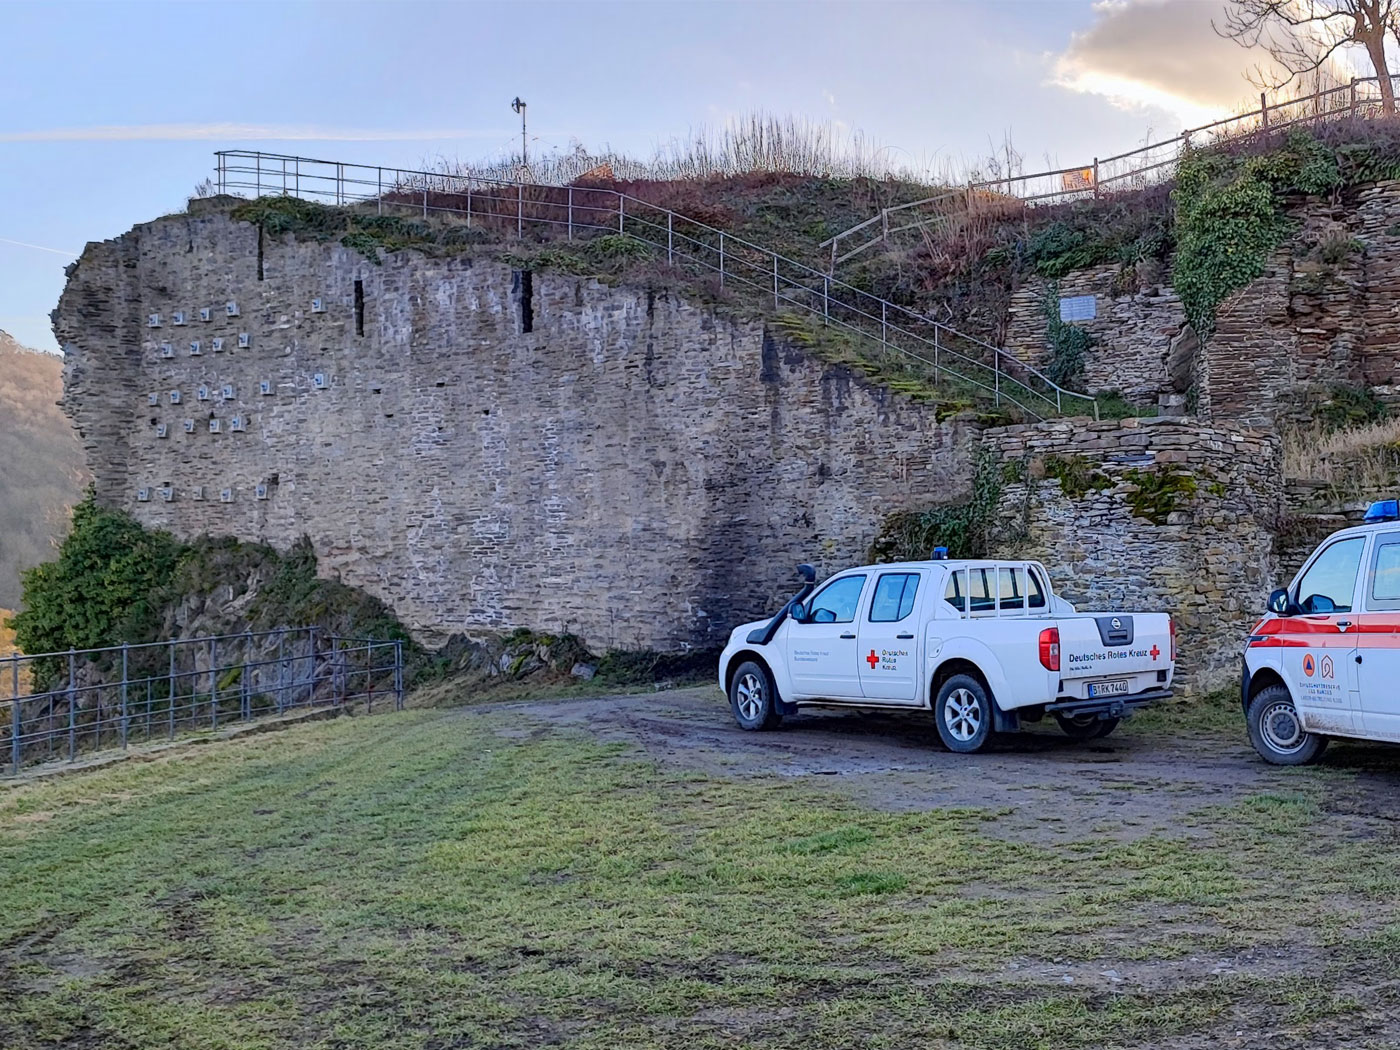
1206,554
623,464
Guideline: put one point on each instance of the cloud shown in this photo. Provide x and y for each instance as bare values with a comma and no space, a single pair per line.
1160,53
226,132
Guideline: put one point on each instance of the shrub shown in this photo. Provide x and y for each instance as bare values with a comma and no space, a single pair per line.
964,528
103,587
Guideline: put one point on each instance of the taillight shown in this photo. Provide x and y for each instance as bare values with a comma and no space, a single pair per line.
1171,624
1050,648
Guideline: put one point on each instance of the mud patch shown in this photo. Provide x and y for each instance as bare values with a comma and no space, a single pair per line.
1045,786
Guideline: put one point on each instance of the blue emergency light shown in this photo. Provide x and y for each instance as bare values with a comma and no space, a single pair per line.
940,554
1383,510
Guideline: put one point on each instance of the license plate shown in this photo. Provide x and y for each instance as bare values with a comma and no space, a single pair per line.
1109,688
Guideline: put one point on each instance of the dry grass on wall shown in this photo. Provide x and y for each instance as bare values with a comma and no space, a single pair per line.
1358,461
754,142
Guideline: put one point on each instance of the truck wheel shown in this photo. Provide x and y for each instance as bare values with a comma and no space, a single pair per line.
1086,727
963,712
753,699
1277,732
1080,727
1106,726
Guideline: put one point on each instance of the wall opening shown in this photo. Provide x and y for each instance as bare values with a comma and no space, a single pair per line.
260,252
359,307
525,282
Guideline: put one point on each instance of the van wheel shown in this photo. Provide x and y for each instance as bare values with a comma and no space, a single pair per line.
753,699
1277,732
963,712
1085,727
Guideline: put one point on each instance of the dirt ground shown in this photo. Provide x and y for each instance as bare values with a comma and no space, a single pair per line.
1146,778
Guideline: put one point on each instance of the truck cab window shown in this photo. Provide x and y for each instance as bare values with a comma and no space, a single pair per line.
953,595
894,597
1385,573
837,601
1330,581
1035,594
1011,584
979,590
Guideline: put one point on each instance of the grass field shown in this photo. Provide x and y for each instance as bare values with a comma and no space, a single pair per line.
438,879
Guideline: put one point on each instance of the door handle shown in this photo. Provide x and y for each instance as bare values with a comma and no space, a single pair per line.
1342,625
904,636
848,636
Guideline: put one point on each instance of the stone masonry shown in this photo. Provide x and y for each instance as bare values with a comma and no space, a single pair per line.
486,448
1132,332
481,448
1209,560
1326,312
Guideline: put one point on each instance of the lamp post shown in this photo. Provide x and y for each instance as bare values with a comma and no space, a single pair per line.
519,106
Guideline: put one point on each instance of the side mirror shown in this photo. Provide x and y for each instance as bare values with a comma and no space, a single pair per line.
1278,602
798,612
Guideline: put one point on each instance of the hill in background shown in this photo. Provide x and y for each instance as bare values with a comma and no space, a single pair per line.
42,469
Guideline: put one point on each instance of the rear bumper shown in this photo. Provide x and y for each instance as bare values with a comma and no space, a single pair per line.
1109,706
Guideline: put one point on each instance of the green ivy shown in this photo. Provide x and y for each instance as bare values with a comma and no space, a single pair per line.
1076,475
101,590
1090,234
1157,493
1349,406
1229,216
116,581
1069,344
964,528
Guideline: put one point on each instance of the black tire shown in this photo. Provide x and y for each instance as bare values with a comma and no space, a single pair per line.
963,712
1086,727
1277,732
753,698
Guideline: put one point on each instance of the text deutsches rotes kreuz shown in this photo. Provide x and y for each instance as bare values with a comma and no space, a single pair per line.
1114,654
886,660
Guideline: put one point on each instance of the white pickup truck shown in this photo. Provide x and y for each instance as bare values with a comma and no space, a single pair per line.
985,645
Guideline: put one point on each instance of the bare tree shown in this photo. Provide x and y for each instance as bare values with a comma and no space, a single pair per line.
1302,36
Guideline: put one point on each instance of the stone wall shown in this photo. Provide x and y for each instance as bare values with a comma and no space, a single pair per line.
1132,331
481,448
1205,554
1302,325
1324,313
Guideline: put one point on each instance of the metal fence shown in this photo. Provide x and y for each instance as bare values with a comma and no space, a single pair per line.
1102,176
569,212
63,705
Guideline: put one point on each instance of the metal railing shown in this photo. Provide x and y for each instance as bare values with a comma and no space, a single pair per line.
575,211
97,699
1137,169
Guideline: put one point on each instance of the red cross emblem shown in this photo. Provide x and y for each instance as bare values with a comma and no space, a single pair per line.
1155,653
872,659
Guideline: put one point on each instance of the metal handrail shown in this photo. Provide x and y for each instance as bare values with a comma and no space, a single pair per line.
109,696
1325,104
579,209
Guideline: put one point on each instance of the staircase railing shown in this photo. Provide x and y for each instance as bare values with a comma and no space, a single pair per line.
583,210
1145,166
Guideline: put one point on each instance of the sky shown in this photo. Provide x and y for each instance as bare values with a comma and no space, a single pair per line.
110,112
